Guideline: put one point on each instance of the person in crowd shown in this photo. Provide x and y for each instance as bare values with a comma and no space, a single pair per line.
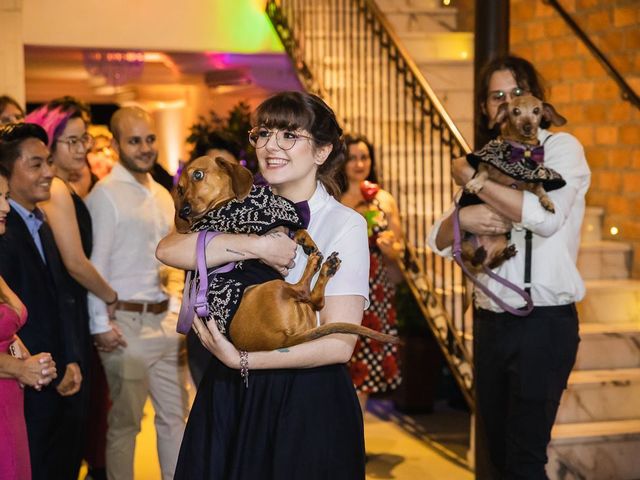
66,120
374,366
139,346
17,369
83,180
522,363
298,416
10,111
30,264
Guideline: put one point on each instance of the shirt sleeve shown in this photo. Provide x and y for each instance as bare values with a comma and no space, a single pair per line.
433,233
352,278
104,218
563,153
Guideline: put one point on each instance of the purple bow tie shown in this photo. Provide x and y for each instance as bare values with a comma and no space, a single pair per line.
526,153
305,212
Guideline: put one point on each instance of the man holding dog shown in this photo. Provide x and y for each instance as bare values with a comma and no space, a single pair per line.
139,347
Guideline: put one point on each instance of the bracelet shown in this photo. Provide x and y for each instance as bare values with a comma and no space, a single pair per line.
244,367
115,300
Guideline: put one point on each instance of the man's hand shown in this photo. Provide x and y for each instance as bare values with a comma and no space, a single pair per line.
70,384
37,371
109,341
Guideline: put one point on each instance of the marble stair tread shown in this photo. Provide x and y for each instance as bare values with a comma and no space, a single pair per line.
596,328
571,432
586,377
610,301
606,246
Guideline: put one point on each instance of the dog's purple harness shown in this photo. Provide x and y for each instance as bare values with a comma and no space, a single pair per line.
457,255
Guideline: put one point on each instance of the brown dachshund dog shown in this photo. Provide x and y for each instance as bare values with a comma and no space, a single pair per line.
519,122
274,314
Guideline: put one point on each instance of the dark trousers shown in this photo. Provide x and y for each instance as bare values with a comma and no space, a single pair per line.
521,368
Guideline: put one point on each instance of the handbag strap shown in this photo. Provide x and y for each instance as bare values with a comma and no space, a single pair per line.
457,255
196,285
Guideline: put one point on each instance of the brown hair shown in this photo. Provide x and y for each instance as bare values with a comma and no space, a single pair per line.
305,111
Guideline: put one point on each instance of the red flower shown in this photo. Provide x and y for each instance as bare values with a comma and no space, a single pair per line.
371,320
359,372
373,265
391,317
378,293
389,367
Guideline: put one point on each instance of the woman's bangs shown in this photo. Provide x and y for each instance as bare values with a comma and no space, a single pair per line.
284,113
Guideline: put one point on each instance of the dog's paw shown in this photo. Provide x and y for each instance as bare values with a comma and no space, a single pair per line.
315,258
509,252
331,265
547,204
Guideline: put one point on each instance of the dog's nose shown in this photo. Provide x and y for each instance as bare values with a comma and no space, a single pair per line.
185,211
527,127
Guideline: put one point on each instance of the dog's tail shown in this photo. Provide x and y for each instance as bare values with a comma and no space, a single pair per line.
339,327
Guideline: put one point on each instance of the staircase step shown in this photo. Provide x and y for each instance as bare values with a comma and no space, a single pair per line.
600,395
426,20
608,345
611,301
425,47
592,224
409,5
595,450
604,259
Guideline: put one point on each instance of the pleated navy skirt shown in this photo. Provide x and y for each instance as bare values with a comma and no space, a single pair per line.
289,424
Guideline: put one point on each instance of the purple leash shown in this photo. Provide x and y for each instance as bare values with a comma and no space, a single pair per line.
195,301
457,255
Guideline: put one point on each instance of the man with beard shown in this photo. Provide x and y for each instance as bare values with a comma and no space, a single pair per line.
139,346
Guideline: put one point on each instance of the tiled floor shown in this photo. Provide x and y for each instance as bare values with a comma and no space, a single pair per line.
400,447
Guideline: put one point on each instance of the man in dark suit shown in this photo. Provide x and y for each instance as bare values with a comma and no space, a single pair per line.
30,264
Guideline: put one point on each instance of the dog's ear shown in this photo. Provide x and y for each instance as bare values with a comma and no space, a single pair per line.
241,178
501,115
549,113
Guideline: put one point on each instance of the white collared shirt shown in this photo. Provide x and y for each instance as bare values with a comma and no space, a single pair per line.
336,228
128,222
554,276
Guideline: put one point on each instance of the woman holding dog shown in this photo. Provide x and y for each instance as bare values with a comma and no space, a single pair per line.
299,416
374,366
522,363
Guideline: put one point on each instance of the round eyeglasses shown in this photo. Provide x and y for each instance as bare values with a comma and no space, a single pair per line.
499,96
78,144
285,139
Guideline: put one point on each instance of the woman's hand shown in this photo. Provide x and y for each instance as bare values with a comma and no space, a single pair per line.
481,219
461,171
389,244
216,343
37,371
277,250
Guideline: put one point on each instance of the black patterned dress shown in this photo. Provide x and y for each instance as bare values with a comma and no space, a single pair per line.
374,366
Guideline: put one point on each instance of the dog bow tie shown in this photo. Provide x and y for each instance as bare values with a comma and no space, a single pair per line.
305,213
527,154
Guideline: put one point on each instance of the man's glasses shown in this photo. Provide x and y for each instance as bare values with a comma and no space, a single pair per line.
499,96
259,136
78,144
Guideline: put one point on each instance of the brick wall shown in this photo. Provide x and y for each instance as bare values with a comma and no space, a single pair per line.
607,126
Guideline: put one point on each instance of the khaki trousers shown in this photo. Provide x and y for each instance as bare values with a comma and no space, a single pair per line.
153,362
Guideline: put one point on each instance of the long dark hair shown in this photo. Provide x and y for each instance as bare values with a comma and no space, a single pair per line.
305,111
527,78
349,140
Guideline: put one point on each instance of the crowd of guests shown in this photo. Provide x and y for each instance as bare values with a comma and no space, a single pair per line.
88,312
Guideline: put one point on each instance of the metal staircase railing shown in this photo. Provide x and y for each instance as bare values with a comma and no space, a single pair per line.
346,52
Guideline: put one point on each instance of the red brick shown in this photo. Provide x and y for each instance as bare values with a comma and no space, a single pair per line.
630,135
517,35
543,52
631,182
560,93
623,62
586,4
608,181
596,198
620,158
543,10
595,112
624,16
606,135
629,228
582,91
573,112
555,28
535,31
573,69
632,39
592,68
597,21
619,205
597,157
565,47
584,134
607,90
610,41
635,159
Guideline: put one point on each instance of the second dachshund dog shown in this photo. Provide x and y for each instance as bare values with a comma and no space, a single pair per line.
515,159
217,194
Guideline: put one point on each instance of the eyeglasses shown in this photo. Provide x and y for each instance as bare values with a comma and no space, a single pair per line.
17,118
259,137
499,96
78,144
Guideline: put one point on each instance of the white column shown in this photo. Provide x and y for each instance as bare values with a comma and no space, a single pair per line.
169,120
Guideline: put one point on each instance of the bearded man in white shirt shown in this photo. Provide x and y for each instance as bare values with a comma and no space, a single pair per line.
139,346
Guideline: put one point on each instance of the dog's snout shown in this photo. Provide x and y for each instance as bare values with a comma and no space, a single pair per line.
185,211
527,127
